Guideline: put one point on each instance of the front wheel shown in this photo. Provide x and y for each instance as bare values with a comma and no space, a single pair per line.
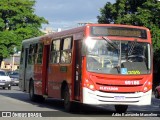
68,105
157,94
121,108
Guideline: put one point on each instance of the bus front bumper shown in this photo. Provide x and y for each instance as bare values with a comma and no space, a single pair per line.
104,98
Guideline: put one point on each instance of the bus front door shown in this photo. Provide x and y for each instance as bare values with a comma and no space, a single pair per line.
78,62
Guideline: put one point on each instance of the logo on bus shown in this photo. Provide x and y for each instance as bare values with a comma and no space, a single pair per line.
108,88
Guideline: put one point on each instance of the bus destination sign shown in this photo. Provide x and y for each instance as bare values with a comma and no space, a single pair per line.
118,31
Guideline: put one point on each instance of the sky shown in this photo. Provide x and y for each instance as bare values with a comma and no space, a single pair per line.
66,14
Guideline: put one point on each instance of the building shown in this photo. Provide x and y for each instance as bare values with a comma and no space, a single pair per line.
48,30
11,63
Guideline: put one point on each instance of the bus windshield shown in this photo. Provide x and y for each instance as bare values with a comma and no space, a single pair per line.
128,57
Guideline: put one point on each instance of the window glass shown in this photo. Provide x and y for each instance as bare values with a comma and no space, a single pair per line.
22,54
66,57
55,52
129,57
55,57
39,53
56,45
31,56
67,43
2,73
66,52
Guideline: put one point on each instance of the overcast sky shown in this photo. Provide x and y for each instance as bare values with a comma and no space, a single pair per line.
68,13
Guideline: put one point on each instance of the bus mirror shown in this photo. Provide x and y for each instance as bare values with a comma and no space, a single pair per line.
83,49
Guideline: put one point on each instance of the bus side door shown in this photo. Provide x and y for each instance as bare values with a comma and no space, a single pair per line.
78,70
45,63
22,71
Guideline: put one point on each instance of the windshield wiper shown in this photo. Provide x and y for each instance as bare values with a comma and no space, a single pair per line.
112,44
115,46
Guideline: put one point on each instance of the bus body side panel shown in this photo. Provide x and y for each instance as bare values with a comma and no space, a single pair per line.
56,75
38,79
53,87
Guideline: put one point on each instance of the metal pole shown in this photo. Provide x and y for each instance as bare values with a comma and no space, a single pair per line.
13,63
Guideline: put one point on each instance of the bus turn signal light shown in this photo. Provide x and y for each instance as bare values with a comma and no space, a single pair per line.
147,87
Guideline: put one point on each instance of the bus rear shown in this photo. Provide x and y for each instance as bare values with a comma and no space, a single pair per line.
117,66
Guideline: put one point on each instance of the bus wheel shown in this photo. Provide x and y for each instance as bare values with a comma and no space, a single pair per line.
32,96
156,94
68,105
9,88
121,108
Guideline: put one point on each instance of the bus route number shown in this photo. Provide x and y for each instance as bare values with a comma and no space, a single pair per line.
129,82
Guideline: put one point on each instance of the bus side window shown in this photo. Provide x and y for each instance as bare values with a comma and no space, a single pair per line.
55,51
31,54
38,53
22,55
66,52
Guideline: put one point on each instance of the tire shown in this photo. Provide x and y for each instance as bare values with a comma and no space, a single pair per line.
3,88
33,97
157,94
9,87
121,108
68,105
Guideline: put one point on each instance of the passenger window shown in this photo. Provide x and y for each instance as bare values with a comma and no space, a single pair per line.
38,53
22,54
31,55
67,44
55,51
66,52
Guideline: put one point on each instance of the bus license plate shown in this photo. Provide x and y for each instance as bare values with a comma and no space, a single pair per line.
120,98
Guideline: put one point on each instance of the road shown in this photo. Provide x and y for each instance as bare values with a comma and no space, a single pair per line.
19,104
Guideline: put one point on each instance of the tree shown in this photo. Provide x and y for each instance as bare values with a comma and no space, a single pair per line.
135,12
17,22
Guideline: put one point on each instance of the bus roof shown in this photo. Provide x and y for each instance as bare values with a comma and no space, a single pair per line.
73,31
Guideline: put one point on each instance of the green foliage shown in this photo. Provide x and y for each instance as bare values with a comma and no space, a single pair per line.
17,22
7,42
135,12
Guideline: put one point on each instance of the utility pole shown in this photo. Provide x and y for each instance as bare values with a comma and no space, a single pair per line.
13,62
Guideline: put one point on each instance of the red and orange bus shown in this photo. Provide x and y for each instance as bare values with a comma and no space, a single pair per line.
97,64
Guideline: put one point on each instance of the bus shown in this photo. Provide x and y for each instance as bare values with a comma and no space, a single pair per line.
95,64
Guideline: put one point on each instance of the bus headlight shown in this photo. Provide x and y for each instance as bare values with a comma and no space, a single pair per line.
89,84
